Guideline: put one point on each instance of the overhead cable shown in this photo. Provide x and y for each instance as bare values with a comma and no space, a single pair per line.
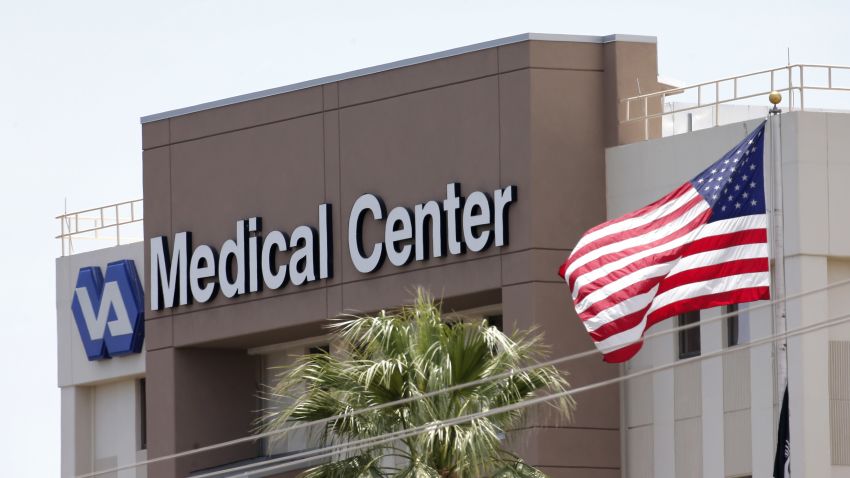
461,386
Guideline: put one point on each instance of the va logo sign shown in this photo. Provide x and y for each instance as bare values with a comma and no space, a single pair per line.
110,313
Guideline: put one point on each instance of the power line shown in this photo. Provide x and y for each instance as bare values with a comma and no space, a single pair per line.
290,461
461,386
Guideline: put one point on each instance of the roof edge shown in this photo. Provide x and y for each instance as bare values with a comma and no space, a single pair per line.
396,64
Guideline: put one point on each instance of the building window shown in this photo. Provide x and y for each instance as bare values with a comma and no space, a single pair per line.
495,321
143,415
689,339
737,326
319,350
732,333
276,362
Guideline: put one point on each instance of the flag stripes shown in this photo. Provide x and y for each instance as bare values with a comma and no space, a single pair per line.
702,245
653,241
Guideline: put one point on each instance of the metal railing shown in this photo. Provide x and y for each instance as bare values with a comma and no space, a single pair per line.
792,79
92,224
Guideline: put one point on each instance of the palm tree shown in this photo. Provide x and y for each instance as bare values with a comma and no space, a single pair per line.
387,357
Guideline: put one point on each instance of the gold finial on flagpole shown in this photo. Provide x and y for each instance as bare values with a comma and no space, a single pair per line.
775,98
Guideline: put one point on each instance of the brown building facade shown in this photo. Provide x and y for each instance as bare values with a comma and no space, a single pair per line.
524,120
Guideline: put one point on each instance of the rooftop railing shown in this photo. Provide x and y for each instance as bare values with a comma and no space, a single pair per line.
106,223
799,82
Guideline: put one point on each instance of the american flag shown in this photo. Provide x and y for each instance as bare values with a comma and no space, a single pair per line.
703,245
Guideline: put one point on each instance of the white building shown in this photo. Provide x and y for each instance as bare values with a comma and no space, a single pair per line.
718,417
103,401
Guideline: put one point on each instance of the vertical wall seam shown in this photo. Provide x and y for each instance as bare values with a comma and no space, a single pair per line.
325,184
828,205
92,411
624,420
170,219
324,151
499,139
339,192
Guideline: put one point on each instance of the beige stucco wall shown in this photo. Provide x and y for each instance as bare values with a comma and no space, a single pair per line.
535,114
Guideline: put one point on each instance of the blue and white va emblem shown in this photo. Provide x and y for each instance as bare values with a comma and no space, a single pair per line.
110,313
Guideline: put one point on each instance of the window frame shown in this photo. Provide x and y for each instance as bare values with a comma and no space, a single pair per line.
733,325
142,414
291,349
687,338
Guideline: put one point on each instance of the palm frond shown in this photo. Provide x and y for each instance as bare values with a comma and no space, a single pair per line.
407,353
360,466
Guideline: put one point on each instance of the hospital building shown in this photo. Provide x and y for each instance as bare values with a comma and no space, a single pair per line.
472,173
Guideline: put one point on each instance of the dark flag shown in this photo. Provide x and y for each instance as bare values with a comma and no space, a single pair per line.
782,463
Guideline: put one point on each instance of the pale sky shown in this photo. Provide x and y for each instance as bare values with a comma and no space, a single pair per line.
76,76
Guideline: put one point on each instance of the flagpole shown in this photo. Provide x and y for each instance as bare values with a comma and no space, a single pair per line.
780,317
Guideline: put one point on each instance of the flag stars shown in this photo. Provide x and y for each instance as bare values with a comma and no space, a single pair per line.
725,183
753,202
